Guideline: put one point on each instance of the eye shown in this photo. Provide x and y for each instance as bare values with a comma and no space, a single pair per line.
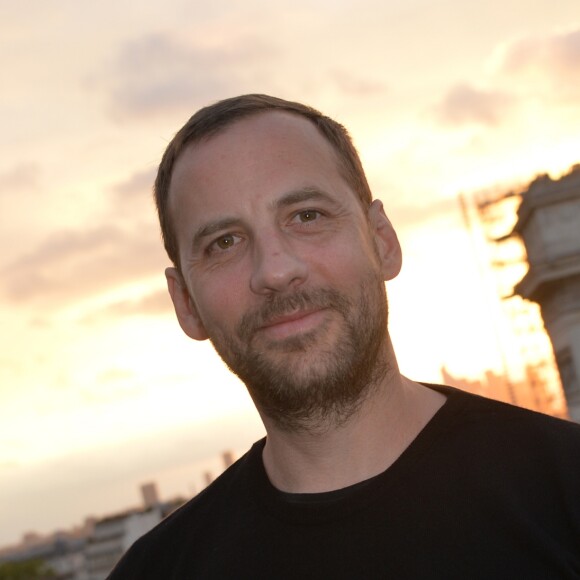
224,242
308,215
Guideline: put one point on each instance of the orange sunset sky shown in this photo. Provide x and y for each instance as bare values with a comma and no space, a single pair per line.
99,389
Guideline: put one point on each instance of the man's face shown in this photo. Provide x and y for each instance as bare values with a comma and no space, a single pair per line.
283,269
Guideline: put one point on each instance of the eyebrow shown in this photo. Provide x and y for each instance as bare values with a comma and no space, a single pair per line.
299,195
212,228
288,199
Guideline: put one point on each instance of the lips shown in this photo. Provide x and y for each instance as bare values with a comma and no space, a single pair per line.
294,323
282,316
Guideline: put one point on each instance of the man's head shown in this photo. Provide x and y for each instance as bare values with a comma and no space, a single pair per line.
217,117
281,265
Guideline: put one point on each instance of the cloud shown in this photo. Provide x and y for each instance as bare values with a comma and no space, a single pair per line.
136,185
157,303
133,197
552,59
71,265
464,104
21,177
122,245
159,73
546,66
357,86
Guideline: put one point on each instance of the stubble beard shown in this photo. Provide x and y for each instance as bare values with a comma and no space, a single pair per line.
312,381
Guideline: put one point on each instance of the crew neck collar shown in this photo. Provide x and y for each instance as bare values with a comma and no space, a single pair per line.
337,504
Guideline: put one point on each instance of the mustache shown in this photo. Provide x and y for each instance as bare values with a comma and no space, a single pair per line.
282,305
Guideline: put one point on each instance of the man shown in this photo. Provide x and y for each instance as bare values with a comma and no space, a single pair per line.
280,257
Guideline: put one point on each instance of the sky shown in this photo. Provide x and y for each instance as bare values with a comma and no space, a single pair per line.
99,389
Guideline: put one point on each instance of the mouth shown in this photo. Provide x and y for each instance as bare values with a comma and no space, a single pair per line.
288,325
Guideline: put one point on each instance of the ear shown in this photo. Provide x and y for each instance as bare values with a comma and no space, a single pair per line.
185,309
386,241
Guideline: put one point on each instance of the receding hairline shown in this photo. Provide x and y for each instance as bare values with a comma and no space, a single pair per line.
250,116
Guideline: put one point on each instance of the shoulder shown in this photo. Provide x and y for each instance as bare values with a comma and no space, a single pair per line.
506,430
497,414
187,529
479,405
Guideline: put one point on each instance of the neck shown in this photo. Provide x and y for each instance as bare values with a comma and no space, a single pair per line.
365,444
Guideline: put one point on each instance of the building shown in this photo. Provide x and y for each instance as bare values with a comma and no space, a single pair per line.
62,552
549,226
112,536
90,552
521,392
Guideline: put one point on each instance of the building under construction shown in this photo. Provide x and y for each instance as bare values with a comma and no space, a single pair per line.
549,225
542,250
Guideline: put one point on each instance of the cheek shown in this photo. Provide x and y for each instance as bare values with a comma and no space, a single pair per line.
345,263
220,305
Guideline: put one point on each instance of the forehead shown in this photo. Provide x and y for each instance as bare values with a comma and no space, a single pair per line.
265,152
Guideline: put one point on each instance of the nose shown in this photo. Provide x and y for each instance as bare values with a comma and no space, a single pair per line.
277,265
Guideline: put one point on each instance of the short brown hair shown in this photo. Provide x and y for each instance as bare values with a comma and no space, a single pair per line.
213,118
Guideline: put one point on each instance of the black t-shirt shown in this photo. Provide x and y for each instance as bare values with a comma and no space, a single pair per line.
486,490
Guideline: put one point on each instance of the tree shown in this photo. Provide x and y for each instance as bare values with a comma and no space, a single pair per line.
27,570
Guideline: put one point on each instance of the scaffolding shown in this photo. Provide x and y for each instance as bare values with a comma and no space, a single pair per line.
495,216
